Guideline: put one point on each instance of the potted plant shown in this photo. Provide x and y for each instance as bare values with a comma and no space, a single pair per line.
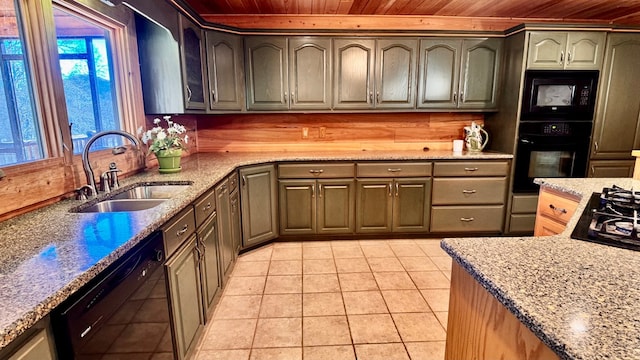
166,144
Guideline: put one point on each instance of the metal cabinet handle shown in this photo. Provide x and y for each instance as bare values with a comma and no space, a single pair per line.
316,172
286,97
455,97
320,191
561,56
394,170
188,94
291,97
371,96
468,191
390,189
568,57
183,230
397,190
213,96
206,207
377,97
595,146
471,169
461,96
244,180
560,210
199,253
201,240
313,191
470,219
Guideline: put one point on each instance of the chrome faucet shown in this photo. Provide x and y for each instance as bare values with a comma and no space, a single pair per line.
85,153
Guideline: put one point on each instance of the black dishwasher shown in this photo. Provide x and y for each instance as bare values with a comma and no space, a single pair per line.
123,313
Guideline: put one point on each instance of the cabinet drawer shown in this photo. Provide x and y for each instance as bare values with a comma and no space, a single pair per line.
233,182
556,205
394,169
471,168
315,170
204,207
547,227
178,229
469,191
524,204
467,218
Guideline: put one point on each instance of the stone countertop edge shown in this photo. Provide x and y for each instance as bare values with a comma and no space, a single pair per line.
463,255
29,291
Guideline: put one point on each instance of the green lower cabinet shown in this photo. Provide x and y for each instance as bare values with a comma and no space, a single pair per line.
316,206
185,297
393,205
209,266
258,204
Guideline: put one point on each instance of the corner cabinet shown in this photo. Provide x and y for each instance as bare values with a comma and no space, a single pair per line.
258,204
370,73
193,64
617,119
225,71
459,73
557,50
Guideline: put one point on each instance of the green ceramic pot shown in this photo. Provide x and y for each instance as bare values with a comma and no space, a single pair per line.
169,160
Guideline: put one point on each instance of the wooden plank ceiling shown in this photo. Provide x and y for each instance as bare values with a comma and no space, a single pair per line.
412,14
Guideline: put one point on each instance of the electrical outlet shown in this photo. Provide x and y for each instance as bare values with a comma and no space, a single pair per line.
305,132
322,132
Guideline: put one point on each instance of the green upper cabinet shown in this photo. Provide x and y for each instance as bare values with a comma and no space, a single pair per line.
459,73
557,50
226,71
289,73
193,69
266,71
371,73
617,119
309,73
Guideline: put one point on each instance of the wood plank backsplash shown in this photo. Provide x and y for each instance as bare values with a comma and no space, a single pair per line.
362,131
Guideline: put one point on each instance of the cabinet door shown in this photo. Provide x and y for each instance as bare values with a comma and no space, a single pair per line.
374,204
191,41
185,296
396,73
309,73
335,206
584,50
36,348
546,227
258,203
266,67
236,227
226,69
209,266
439,71
297,206
479,73
611,168
224,228
353,73
616,128
546,50
411,205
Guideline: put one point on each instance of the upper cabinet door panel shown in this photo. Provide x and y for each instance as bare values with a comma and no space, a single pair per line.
439,71
480,73
546,50
396,74
310,73
267,83
353,73
191,39
584,50
224,55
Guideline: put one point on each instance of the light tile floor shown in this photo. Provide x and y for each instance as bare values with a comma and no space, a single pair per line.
373,299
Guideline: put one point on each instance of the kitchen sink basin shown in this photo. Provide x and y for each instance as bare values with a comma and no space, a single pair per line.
122,205
152,191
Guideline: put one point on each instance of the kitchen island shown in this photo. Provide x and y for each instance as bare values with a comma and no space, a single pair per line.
580,299
49,254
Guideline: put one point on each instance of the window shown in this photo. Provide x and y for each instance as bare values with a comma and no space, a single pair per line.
87,76
20,137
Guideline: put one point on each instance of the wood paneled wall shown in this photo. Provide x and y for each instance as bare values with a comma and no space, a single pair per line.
326,132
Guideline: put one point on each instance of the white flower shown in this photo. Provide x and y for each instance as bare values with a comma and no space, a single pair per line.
159,138
156,121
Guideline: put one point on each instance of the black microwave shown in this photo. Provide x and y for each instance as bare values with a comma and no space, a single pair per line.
559,95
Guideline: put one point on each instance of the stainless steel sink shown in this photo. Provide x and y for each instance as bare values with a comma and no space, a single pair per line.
151,192
122,205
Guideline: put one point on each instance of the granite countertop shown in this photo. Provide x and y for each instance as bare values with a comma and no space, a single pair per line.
580,298
50,253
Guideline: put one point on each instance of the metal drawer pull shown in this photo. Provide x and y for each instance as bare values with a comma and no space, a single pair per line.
183,230
560,210
397,190
207,207
316,172
313,191
320,190
467,219
468,191
394,169
471,169
389,189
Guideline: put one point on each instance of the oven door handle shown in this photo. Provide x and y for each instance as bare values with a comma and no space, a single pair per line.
526,141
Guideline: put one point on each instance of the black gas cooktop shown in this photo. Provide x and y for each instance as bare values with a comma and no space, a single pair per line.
611,218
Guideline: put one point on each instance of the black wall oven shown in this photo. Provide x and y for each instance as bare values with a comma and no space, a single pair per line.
550,149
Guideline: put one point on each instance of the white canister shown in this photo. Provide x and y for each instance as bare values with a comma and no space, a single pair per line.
457,146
